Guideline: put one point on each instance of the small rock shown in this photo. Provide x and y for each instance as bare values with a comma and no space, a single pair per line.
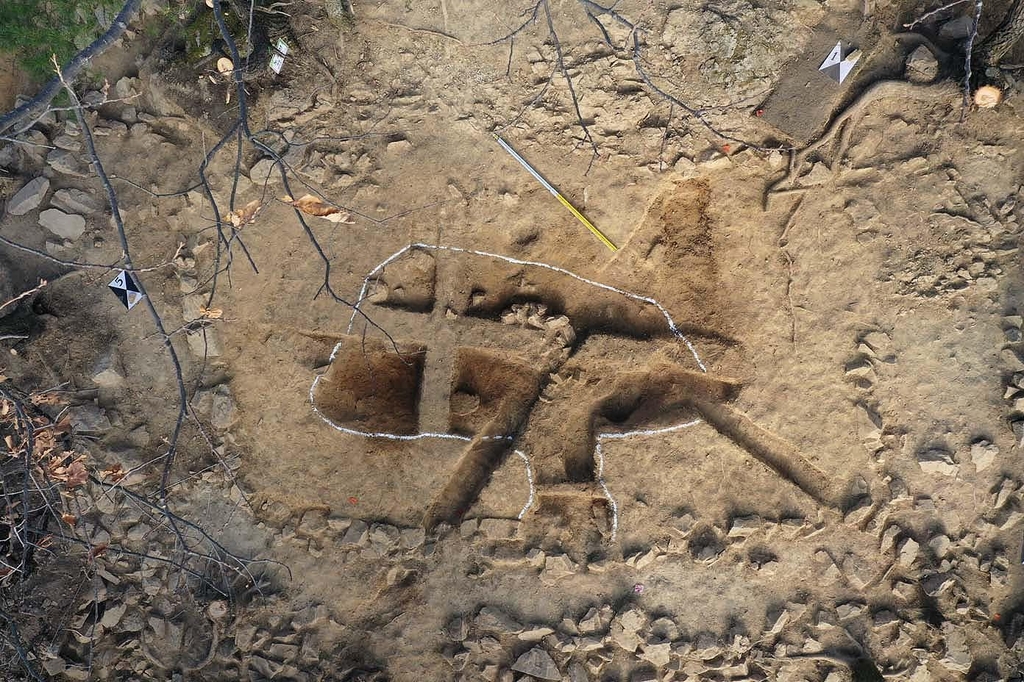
983,454
89,419
491,619
958,28
1006,488
28,197
457,629
498,529
537,663
357,534
657,654
535,633
204,343
958,657
744,526
55,666
936,461
399,147
849,610
907,552
64,225
264,172
412,538
593,622
223,413
940,544
64,162
112,615
67,143
625,629
921,67
217,609
106,373
75,201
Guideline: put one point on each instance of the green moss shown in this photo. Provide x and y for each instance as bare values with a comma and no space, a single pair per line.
36,29
201,33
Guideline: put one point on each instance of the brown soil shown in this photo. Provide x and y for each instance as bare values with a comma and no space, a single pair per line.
754,407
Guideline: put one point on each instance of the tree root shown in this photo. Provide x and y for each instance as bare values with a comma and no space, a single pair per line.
849,116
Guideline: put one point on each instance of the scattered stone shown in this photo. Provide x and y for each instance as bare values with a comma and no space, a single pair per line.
556,567
744,526
498,529
859,512
537,663
936,461
577,673
223,413
682,525
357,534
88,419
75,201
491,619
112,615
983,454
907,552
1002,496
707,646
849,610
881,344
399,147
217,610
958,657
535,633
958,28
204,343
595,621
657,654
264,172
412,538
28,197
889,537
941,545
64,162
64,225
106,372
921,67
625,629
644,676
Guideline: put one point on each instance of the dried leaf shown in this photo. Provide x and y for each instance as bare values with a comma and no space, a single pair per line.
310,205
62,425
224,65
75,474
10,444
98,550
5,406
45,399
245,215
210,313
115,473
69,519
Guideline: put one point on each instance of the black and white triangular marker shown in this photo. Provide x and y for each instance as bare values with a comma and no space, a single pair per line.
837,66
126,289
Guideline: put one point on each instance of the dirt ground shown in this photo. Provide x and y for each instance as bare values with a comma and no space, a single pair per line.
776,434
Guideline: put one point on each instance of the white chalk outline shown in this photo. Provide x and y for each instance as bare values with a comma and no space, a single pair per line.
598,452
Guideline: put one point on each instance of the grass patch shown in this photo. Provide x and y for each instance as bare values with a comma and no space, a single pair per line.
35,29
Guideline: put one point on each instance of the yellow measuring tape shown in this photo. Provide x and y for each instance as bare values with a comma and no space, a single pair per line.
558,195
